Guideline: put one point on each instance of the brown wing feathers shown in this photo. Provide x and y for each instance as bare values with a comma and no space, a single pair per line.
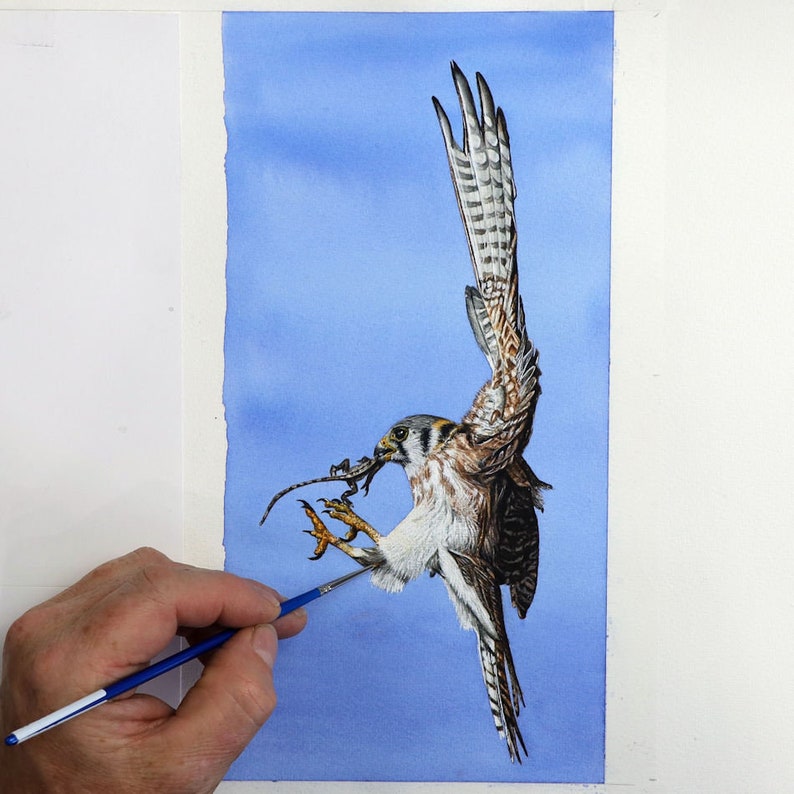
482,175
498,426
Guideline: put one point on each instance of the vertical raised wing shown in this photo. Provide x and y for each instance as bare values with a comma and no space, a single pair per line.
475,498
500,420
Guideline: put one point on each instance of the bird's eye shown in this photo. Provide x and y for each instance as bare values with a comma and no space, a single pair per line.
399,433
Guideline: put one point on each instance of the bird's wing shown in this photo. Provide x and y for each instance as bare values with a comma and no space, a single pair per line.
500,420
478,600
515,533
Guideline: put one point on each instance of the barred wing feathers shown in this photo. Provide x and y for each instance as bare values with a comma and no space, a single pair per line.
500,420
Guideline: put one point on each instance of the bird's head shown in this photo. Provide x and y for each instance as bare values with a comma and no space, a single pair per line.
411,440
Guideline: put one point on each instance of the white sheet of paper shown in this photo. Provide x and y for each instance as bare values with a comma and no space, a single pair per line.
90,308
700,647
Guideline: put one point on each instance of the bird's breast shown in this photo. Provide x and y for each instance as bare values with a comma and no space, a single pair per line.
448,504
445,516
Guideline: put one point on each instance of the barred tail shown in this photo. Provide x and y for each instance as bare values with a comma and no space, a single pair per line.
504,692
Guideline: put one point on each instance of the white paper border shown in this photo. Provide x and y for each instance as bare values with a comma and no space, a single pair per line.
700,646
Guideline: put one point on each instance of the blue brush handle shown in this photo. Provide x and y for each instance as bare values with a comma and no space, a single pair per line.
158,668
194,651
291,604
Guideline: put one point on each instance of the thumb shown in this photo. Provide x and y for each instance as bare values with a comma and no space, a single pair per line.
231,701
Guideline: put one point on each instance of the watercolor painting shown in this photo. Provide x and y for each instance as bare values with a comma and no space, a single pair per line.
358,292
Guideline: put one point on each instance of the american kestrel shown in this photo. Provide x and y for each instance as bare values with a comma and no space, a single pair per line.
474,521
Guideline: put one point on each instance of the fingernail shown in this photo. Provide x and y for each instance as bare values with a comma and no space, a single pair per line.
265,643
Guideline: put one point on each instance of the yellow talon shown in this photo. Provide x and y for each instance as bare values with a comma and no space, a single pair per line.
336,509
343,512
319,531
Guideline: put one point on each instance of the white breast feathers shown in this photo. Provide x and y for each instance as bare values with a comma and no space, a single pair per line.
444,516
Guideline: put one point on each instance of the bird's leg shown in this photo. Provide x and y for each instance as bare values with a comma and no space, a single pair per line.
342,511
326,538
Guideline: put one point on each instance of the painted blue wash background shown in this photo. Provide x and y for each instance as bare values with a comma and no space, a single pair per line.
346,271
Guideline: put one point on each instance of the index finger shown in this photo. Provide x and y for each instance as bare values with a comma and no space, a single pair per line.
135,620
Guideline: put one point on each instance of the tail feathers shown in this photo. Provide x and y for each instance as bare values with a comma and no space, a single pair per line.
477,597
504,692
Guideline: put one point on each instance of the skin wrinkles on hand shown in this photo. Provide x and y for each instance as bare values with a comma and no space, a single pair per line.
106,626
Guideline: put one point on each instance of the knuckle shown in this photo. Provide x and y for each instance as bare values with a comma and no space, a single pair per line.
257,700
29,659
27,628
262,703
18,633
154,575
147,555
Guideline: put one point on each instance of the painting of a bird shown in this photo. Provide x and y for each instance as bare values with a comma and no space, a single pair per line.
474,521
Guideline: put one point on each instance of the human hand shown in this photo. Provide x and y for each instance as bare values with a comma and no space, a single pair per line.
110,624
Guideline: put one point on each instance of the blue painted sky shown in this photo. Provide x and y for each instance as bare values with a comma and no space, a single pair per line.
346,271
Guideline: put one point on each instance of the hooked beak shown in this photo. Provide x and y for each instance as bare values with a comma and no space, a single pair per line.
384,450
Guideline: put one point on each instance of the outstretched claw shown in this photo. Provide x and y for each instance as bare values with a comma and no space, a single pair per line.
325,538
342,510
318,531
